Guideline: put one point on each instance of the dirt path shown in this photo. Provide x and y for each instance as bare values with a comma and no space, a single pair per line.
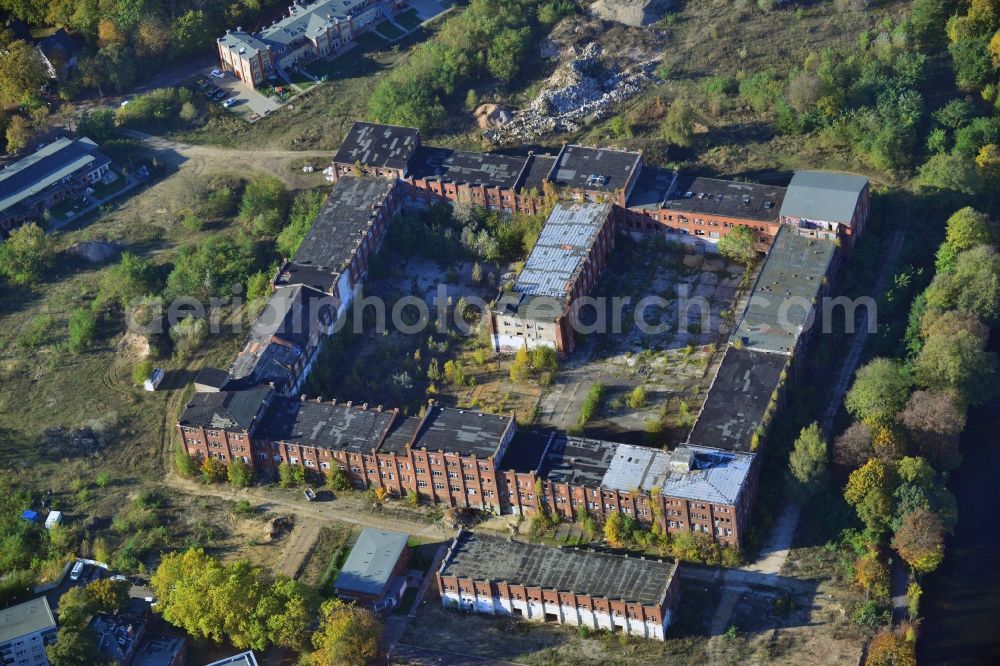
203,158
298,547
324,511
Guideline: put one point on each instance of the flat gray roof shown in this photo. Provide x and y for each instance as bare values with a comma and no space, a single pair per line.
737,399
728,198
595,169
460,166
225,409
24,619
369,566
328,425
342,223
781,303
378,145
598,575
563,245
825,196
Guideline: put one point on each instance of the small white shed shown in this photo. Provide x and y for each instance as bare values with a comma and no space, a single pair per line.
54,518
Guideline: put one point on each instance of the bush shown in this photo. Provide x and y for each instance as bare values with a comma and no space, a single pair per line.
239,473
291,476
338,479
188,334
82,327
591,403
141,371
35,333
637,398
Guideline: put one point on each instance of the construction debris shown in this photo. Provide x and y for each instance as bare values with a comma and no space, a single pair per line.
636,13
582,87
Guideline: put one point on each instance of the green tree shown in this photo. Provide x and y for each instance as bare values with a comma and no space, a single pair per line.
808,459
958,363
967,228
191,31
258,287
973,285
239,473
506,52
127,281
26,254
211,268
108,596
305,207
183,463
678,125
879,392
739,245
291,476
348,635
920,540
264,205
74,647
22,73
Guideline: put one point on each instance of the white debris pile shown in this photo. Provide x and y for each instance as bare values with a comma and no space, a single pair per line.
582,87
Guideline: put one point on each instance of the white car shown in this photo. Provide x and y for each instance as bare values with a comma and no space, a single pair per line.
217,74
77,570
229,102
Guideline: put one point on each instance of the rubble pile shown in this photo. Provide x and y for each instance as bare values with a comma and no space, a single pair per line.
582,87
65,442
636,13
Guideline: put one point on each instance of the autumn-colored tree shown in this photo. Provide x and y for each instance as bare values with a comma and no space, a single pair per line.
887,443
212,471
19,133
22,73
108,596
869,490
934,422
872,576
889,648
239,602
988,163
880,390
853,447
108,33
521,367
348,635
618,529
920,540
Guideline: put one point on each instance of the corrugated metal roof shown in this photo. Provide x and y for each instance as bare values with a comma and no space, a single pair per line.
561,249
825,196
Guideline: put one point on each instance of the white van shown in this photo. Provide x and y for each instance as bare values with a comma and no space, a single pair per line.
77,571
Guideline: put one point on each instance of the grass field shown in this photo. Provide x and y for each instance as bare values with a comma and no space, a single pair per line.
388,30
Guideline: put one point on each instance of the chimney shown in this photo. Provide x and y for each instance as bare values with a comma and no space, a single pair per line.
350,403
379,409
333,402
364,407
302,398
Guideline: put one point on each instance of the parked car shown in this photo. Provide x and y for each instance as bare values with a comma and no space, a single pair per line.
219,95
77,571
217,74
230,102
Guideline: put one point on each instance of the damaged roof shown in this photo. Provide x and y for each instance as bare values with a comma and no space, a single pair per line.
598,575
225,410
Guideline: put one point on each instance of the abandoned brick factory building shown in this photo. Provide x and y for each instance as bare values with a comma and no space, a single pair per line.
467,459
631,595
